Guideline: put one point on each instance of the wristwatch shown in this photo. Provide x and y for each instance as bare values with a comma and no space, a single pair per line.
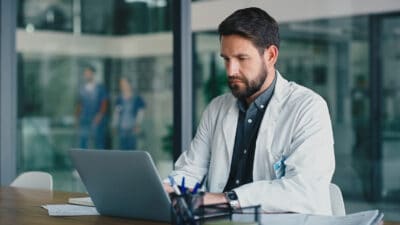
232,199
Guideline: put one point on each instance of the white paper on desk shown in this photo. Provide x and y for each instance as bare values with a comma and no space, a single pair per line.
270,219
86,201
70,210
372,217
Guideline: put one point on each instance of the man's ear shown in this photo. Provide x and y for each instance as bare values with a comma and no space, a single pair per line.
271,55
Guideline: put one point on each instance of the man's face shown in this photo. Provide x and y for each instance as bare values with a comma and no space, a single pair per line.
245,67
88,75
124,85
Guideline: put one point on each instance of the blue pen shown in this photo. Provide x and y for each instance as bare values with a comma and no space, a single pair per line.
183,189
196,187
199,185
174,186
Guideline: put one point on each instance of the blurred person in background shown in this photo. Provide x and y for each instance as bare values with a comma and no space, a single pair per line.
362,152
128,115
91,111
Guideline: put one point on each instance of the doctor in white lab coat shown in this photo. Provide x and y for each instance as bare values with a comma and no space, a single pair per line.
293,158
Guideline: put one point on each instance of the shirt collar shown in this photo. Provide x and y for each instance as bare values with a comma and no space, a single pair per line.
262,100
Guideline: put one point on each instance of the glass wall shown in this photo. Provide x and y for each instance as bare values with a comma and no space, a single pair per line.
98,82
111,17
390,49
332,57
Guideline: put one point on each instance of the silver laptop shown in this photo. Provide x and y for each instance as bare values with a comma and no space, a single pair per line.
123,183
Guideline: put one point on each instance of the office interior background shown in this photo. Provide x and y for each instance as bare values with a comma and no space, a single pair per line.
347,51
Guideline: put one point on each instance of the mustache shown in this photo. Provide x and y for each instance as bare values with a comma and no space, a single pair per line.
233,78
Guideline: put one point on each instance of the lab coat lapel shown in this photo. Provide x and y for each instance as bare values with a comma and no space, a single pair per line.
229,128
274,107
270,118
268,125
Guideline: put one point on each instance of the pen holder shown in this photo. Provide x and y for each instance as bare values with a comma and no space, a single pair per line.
223,213
187,209
249,215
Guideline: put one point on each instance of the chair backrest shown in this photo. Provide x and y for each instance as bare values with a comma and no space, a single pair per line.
34,179
337,203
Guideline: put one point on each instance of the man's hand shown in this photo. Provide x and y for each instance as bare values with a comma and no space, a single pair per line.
214,198
168,188
209,198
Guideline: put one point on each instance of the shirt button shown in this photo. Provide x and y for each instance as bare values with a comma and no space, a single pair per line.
262,106
245,151
249,120
237,182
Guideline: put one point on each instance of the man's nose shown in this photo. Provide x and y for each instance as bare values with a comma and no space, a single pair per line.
232,68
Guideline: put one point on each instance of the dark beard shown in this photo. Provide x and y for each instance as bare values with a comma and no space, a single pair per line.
251,87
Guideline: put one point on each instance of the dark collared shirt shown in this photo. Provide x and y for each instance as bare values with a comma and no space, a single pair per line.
249,122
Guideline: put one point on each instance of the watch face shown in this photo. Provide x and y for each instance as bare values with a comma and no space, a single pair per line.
232,195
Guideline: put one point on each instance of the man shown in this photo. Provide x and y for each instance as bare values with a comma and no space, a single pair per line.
362,159
91,111
268,142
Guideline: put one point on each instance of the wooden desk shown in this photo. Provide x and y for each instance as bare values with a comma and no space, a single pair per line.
20,206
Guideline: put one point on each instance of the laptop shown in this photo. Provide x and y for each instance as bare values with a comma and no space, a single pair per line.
123,183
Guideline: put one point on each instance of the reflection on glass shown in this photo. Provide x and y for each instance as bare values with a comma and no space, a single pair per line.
361,154
390,38
90,91
115,17
209,73
45,15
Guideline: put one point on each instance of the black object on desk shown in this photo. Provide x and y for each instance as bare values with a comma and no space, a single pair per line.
188,209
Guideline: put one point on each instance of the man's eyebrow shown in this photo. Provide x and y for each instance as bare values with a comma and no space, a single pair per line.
236,56
241,55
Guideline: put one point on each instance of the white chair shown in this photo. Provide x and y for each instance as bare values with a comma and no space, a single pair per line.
337,203
34,179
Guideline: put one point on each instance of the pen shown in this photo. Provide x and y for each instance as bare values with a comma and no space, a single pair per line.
174,185
196,187
199,185
183,189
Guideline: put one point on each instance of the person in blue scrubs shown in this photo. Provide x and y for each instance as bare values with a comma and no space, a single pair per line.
128,115
91,111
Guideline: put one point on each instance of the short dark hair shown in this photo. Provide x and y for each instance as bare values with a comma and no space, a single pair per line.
89,67
254,24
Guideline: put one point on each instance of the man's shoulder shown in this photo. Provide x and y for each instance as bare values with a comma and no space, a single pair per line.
301,95
221,104
290,91
303,91
223,100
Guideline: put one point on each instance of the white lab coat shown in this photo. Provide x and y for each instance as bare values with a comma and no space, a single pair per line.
296,125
